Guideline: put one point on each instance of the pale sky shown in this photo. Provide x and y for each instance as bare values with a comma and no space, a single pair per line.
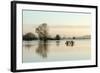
75,21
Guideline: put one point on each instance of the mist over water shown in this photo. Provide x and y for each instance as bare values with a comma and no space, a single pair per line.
55,50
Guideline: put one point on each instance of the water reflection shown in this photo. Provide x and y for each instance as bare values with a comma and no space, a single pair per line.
58,42
28,46
56,50
42,49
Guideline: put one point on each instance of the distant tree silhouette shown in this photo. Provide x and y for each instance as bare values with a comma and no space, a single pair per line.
29,36
74,37
57,37
42,31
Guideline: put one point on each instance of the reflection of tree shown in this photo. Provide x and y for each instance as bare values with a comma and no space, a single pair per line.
42,48
57,42
28,46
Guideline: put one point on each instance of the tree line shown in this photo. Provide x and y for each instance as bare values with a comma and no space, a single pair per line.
42,31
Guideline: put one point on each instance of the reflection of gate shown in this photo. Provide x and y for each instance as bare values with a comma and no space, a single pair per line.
69,43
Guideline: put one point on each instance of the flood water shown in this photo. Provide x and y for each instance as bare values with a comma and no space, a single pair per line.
54,50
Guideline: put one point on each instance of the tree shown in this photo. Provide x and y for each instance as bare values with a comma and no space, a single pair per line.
29,36
57,37
42,31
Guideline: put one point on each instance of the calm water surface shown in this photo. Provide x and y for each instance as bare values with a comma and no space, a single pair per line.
39,51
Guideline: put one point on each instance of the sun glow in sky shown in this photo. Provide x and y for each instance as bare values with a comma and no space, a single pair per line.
63,23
